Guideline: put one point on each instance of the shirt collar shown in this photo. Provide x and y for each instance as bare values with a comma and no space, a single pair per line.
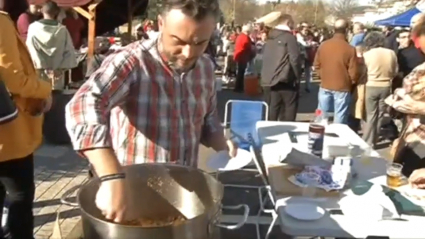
282,27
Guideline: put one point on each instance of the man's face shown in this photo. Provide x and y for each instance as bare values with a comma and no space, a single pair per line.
184,40
304,31
34,9
404,39
356,29
421,42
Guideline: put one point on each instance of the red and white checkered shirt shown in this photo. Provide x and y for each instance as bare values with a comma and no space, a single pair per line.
145,111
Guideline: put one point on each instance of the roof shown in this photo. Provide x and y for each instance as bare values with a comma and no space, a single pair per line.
110,13
63,3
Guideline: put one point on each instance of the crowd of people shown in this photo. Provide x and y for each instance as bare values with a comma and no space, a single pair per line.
358,70
364,75
154,100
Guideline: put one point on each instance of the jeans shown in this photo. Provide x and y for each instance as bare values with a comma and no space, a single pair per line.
336,101
308,75
17,179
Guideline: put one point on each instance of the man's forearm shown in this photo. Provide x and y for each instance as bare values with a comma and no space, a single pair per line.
104,161
217,141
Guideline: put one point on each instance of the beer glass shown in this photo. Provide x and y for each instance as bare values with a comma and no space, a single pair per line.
394,175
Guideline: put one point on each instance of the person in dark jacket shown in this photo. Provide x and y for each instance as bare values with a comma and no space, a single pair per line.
391,38
281,71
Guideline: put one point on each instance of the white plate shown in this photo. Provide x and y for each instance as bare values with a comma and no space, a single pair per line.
304,211
416,196
364,207
222,161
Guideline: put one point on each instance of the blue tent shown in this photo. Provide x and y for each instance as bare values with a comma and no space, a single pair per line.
402,19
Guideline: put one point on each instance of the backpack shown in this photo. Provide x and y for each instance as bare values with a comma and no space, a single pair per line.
8,110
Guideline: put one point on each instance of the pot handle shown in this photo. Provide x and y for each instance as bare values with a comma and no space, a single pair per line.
65,197
239,224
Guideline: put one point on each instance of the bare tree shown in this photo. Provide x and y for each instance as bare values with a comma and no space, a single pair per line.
240,11
343,8
311,11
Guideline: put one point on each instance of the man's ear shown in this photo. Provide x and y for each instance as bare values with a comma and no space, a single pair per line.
160,23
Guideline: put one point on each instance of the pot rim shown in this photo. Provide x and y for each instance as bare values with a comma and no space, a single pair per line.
156,227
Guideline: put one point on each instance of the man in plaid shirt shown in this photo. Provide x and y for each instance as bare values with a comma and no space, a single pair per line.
154,101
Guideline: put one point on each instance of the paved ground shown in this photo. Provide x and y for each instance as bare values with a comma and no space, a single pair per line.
58,168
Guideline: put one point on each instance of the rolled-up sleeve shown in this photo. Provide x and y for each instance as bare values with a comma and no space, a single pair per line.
212,124
87,114
212,128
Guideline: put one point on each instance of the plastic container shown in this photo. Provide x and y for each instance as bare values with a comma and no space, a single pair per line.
251,85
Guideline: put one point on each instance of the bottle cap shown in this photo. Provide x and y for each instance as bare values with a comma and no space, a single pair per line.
318,112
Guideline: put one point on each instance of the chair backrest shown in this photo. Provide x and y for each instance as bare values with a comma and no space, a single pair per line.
244,115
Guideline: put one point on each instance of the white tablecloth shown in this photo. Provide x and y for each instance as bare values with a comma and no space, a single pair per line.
272,136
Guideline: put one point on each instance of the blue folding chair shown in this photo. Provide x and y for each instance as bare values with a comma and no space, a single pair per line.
241,123
244,115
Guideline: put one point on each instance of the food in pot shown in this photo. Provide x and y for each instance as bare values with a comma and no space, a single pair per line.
148,222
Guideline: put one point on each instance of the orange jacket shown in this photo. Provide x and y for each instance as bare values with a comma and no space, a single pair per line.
22,136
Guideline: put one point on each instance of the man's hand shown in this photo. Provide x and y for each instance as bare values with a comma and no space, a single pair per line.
47,104
112,199
406,105
417,178
233,148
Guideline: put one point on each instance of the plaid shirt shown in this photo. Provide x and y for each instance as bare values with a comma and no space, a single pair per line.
145,111
414,85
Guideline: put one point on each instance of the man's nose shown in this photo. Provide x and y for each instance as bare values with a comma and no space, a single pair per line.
189,51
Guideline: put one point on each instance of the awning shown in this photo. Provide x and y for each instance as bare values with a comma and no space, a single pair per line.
402,19
109,13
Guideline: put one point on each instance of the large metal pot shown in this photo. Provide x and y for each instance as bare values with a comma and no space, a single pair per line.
158,190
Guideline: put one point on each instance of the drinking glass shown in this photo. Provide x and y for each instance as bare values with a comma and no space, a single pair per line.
394,175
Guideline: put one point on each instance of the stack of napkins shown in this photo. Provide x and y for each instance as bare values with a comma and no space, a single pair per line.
315,176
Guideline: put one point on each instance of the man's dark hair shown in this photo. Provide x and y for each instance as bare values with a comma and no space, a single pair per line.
374,39
238,28
196,9
50,8
285,18
399,32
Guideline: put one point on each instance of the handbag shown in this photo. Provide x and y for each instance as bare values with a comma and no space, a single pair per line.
398,144
8,110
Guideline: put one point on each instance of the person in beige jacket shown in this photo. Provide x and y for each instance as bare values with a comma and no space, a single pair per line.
382,67
357,107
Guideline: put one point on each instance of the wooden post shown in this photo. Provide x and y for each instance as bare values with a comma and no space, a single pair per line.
92,31
130,17
91,17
